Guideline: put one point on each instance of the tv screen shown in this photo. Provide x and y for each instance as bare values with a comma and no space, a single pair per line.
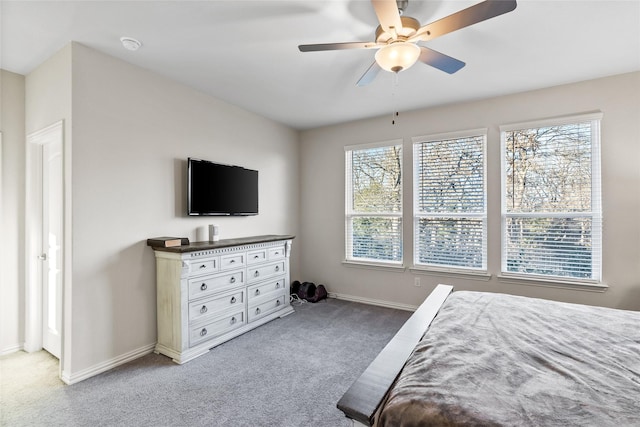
216,189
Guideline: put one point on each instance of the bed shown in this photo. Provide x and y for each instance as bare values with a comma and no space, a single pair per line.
485,359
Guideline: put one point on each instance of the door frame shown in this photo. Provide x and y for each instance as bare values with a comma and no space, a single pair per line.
33,240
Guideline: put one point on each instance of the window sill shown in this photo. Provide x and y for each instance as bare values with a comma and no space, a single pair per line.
553,283
398,268
461,274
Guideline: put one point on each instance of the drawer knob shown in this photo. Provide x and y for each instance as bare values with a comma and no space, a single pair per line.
233,279
278,303
258,310
203,309
203,287
203,266
257,291
277,268
233,300
232,321
277,253
232,261
256,256
203,332
277,285
256,274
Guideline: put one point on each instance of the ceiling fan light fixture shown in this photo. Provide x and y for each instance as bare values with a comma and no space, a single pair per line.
399,56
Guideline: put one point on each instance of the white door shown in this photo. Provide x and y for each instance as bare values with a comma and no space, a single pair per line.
51,257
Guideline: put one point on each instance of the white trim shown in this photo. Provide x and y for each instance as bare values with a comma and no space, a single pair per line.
11,349
596,195
553,283
376,214
397,268
378,144
107,365
552,121
376,302
449,135
551,214
482,275
33,238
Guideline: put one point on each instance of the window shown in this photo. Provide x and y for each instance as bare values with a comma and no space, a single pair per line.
551,212
450,214
374,203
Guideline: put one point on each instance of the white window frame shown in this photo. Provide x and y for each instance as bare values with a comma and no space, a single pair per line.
417,266
350,214
596,204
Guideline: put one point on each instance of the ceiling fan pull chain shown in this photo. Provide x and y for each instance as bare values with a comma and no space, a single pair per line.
394,100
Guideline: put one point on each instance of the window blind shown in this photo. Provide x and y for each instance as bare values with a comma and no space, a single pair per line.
552,215
373,217
450,202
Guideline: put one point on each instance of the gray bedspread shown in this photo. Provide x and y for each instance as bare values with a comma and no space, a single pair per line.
499,360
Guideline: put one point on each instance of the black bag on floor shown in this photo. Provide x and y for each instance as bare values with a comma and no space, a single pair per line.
319,294
310,292
295,287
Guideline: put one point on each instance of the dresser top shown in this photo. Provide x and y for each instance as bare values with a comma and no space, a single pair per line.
224,243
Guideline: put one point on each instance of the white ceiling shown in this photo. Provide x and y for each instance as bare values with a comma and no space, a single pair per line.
245,52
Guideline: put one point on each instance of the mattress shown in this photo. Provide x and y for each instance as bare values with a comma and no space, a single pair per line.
500,360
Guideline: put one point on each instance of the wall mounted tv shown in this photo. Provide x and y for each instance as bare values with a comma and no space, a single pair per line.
217,189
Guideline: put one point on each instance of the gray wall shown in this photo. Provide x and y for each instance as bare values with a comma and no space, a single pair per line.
132,133
322,179
11,212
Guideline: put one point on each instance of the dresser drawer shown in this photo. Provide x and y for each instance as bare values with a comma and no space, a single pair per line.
216,327
255,257
260,310
231,261
264,290
204,286
203,266
201,310
276,253
255,274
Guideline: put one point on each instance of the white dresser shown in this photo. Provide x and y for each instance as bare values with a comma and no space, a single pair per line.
210,292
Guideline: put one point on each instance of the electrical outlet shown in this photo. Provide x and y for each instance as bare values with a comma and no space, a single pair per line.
416,282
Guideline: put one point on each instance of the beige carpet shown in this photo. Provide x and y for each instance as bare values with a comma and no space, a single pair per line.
25,379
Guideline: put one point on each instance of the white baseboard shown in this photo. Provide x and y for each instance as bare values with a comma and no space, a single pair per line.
11,349
107,365
370,301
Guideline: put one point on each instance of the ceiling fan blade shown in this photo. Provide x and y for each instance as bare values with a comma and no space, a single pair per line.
439,60
337,46
388,15
369,75
472,15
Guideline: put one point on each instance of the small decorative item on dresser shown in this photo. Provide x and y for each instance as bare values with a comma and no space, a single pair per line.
214,232
167,242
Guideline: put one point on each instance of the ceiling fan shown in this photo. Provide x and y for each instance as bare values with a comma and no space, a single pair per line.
397,36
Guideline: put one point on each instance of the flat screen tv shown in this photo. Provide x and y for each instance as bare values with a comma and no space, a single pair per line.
217,189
